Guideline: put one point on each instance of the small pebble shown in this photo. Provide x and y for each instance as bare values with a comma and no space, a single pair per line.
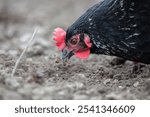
107,81
81,75
136,84
120,87
57,60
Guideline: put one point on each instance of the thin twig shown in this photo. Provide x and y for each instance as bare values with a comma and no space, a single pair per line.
18,60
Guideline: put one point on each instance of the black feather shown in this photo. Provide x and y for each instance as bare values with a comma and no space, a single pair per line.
117,27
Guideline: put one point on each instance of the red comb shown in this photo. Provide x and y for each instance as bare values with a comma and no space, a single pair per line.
59,37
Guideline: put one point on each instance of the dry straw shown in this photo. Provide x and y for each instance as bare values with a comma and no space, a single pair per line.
20,57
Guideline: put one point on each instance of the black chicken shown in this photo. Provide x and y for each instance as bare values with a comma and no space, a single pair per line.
112,27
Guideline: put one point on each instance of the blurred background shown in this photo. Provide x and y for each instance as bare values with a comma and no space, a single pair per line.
43,12
18,18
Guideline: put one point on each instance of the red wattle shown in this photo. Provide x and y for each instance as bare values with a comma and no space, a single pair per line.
83,54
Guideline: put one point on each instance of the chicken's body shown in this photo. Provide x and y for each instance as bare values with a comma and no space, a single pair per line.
118,28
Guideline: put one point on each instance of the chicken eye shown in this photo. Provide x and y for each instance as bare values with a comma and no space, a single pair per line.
74,41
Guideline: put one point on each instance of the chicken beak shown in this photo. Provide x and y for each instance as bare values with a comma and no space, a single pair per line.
66,55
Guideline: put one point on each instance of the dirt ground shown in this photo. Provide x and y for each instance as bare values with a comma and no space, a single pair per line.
41,76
